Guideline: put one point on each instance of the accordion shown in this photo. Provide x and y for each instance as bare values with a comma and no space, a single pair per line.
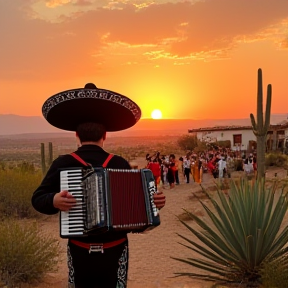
108,199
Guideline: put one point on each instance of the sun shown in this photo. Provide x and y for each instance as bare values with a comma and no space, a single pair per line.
156,114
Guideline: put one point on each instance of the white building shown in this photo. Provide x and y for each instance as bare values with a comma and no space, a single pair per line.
242,138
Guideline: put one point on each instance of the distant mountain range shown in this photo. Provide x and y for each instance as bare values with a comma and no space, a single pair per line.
33,125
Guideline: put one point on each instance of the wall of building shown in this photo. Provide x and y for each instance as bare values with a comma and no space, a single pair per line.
223,135
285,148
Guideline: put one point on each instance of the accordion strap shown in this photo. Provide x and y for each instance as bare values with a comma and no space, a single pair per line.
77,157
104,165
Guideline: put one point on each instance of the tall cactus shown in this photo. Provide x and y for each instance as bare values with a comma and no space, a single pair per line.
50,159
260,128
43,160
43,157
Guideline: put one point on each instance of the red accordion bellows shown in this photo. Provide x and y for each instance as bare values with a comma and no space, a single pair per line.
127,199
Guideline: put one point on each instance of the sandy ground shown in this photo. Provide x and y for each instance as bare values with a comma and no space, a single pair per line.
150,264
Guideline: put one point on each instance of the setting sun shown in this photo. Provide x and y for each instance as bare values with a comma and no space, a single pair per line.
156,114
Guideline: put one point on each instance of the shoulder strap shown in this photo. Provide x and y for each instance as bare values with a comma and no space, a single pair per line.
107,160
79,159
86,164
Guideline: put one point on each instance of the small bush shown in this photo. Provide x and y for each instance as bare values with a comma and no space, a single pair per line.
2,165
26,167
16,188
276,159
224,143
188,142
25,253
275,273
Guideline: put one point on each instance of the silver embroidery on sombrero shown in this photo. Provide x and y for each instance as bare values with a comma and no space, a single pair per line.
70,268
122,269
99,94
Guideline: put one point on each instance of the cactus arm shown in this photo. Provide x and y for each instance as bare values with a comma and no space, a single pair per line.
268,107
253,121
260,100
254,124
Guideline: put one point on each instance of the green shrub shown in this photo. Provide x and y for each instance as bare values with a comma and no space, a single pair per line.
3,165
188,142
275,273
276,159
16,188
224,143
25,253
26,167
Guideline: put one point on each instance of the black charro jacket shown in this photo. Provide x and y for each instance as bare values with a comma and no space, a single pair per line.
42,198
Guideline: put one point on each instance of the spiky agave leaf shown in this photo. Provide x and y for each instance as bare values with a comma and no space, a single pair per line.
244,230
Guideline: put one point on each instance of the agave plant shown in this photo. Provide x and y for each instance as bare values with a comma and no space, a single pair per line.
243,233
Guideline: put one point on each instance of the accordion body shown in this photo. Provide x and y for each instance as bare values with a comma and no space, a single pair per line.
108,199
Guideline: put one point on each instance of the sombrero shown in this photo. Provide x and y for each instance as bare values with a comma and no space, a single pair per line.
67,109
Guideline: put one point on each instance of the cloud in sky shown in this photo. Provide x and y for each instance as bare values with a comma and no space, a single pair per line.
56,41
177,30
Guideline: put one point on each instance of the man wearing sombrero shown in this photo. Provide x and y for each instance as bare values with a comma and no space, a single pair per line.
90,112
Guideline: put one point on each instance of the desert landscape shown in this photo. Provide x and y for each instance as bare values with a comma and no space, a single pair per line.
151,264
26,147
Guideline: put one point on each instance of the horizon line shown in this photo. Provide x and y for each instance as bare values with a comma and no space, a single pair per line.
150,118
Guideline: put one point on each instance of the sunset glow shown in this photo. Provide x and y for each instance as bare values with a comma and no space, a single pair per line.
191,59
156,114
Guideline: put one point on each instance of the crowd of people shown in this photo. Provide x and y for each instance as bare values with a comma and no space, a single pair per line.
164,168
218,161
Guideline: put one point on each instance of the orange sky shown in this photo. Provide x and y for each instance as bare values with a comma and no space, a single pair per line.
190,59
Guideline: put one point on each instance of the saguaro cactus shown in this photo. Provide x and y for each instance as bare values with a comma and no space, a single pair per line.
50,159
43,157
43,160
260,128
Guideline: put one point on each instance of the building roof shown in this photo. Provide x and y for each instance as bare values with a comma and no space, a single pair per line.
281,125
220,128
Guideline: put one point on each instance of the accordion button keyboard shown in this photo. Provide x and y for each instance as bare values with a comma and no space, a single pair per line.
72,221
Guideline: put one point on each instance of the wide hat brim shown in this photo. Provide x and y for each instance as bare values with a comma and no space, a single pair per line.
67,109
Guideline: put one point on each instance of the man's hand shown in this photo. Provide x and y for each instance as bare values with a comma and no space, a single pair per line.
64,201
159,200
